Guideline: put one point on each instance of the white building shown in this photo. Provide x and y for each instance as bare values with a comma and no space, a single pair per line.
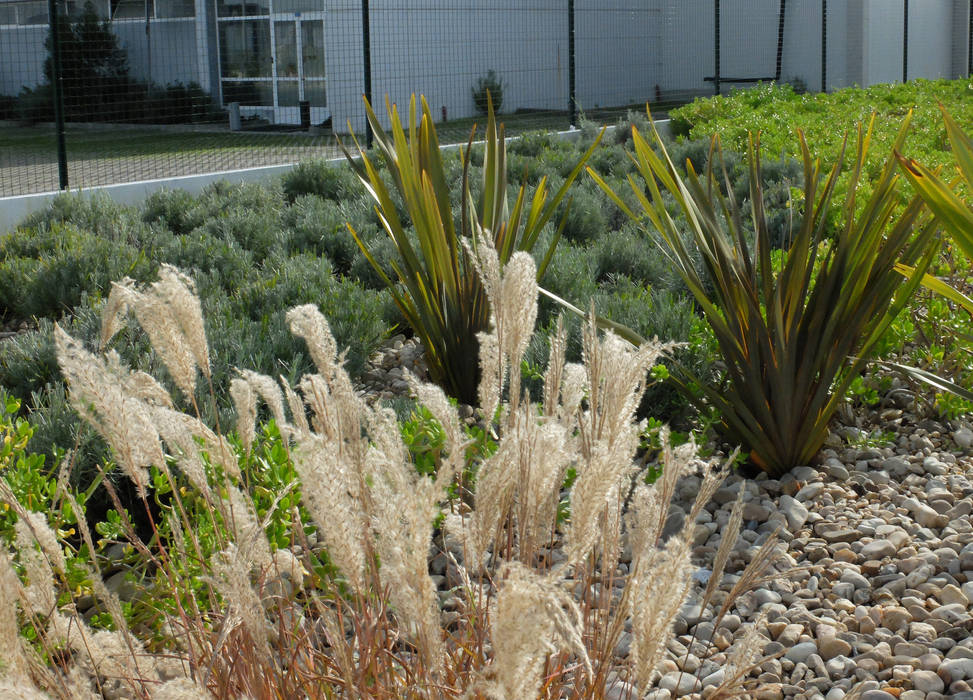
269,55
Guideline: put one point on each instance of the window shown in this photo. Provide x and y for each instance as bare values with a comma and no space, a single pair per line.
34,12
157,9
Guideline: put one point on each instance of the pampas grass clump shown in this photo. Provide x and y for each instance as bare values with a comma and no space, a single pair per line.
532,611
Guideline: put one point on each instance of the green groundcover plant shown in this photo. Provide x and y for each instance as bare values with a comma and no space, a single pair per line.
793,336
776,111
956,215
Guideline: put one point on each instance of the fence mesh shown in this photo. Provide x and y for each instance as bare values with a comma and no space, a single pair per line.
147,89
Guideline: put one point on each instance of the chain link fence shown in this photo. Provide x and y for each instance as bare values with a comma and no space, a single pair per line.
112,91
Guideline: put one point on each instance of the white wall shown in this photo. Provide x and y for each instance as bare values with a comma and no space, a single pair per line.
930,39
442,47
882,42
802,44
22,55
173,44
748,30
620,51
343,61
688,47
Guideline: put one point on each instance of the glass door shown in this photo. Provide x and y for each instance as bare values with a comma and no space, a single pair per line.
299,65
272,57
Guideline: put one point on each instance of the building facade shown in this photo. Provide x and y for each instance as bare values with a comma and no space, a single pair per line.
269,56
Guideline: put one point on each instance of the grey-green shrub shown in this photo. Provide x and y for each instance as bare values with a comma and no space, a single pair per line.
587,219
176,210
44,271
332,180
318,226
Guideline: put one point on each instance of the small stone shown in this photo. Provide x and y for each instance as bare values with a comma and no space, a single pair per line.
764,596
845,555
954,614
830,647
799,652
795,512
857,580
715,678
790,635
921,630
844,534
952,595
809,492
933,466
838,472
877,695
771,691
924,515
896,465
956,669
909,649
620,690
879,549
927,682
963,437
680,683
755,511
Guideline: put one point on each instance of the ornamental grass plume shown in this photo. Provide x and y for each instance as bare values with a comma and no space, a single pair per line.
608,433
170,313
534,618
12,654
533,574
99,398
659,584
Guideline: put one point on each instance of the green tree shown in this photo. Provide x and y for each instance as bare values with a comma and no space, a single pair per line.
94,68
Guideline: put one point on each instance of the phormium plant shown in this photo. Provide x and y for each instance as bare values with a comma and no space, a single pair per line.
437,288
793,336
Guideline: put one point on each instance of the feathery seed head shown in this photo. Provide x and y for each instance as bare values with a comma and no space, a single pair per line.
98,397
179,292
658,586
308,323
230,576
555,368
434,399
245,403
267,389
296,405
120,300
534,617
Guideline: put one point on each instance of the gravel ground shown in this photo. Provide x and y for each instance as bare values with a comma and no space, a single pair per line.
878,600
875,594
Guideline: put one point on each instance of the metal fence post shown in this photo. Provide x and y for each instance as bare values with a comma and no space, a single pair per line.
367,56
716,48
58,85
905,42
824,45
969,43
572,94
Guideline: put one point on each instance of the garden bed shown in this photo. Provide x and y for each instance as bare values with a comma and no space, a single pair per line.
871,588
